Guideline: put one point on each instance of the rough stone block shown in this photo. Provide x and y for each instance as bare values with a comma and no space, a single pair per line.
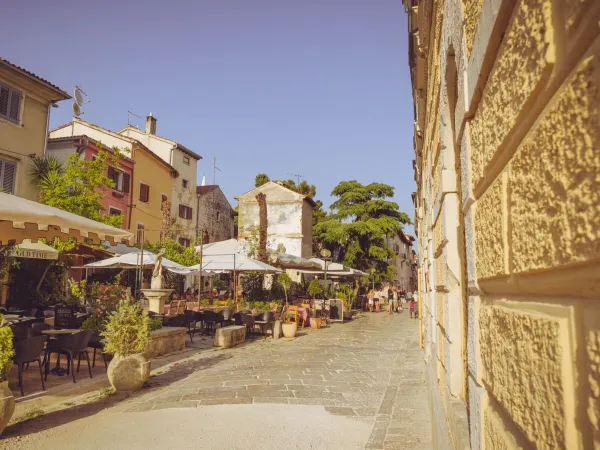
489,238
528,368
471,12
166,340
438,234
473,350
465,169
477,404
470,248
497,434
525,59
592,346
230,336
554,177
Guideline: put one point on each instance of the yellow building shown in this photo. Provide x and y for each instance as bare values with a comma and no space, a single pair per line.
507,212
25,101
152,178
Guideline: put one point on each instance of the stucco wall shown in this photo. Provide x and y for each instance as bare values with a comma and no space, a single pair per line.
508,218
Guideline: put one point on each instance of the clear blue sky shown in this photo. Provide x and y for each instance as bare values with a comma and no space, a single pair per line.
319,87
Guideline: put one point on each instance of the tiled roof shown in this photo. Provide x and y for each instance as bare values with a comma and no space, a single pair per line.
205,189
33,75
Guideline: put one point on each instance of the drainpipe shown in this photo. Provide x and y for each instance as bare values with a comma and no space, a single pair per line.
50,105
131,184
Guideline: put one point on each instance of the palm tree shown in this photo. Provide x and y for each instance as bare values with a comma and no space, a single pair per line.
42,166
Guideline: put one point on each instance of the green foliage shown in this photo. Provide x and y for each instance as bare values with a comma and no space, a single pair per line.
220,285
284,280
314,288
186,256
7,260
154,324
127,330
79,187
261,178
95,323
362,218
346,293
42,166
6,350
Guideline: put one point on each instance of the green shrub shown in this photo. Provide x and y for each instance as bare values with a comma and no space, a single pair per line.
284,280
96,323
314,288
127,330
6,350
154,324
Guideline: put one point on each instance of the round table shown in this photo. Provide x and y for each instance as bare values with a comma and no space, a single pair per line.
58,370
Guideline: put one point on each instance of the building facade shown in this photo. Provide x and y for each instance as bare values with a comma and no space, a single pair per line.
507,212
25,105
214,214
183,190
289,218
151,180
405,276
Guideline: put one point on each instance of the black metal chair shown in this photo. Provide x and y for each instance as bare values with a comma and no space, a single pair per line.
27,351
173,321
227,314
38,327
265,321
71,345
211,319
248,320
21,331
189,321
96,343
237,319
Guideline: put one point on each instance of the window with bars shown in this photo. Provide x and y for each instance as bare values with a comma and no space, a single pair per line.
8,173
184,241
120,179
10,103
144,193
185,212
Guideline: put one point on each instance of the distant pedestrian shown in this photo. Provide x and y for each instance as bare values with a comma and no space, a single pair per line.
371,299
395,299
377,299
390,295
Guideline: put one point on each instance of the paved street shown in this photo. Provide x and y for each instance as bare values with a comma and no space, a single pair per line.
354,385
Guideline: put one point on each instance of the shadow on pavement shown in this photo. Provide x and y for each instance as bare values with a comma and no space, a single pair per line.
175,372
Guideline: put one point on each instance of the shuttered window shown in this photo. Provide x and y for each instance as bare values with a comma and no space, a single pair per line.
8,172
144,193
120,179
185,212
10,103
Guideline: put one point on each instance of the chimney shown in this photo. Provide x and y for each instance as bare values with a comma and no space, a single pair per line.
150,124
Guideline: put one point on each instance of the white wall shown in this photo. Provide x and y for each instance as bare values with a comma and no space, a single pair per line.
77,129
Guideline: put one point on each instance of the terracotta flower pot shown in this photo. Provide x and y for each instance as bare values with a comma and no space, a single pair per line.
316,322
7,405
289,329
128,373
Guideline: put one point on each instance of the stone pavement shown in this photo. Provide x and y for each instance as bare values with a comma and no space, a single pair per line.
370,369
366,378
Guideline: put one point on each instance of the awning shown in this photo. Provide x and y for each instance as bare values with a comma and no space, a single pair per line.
133,260
35,250
22,219
234,262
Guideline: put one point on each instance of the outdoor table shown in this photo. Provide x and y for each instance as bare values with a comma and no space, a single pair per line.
58,370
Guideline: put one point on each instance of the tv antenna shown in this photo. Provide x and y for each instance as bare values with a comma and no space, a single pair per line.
215,168
78,101
298,176
129,114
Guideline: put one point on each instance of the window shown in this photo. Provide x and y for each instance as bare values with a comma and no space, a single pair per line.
10,103
8,172
112,211
218,215
140,232
144,193
163,199
184,241
184,183
186,160
185,212
120,179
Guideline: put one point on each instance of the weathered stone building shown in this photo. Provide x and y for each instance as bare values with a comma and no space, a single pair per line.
214,214
507,165
401,245
289,217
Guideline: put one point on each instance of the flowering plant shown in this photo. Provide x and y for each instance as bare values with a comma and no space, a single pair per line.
105,300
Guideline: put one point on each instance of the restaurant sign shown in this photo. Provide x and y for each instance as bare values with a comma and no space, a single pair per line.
35,250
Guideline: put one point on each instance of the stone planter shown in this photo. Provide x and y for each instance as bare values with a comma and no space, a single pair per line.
7,405
347,315
316,322
128,373
289,329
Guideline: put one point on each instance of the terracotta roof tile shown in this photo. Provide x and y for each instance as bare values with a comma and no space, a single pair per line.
33,75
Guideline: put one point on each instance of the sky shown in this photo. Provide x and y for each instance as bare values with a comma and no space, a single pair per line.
315,87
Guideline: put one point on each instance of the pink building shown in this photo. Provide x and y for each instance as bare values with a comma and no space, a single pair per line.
117,200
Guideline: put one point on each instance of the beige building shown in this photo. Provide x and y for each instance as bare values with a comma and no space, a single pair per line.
25,101
507,213
289,217
404,264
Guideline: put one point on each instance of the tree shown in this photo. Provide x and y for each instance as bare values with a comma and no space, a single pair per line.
261,178
285,282
314,288
186,256
41,166
261,198
361,219
79,187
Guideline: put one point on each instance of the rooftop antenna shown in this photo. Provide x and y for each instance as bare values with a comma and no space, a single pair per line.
298,176
129,114
78,101
215,168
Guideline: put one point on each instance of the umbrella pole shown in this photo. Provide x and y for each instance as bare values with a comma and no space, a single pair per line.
235,284
141,273
200,270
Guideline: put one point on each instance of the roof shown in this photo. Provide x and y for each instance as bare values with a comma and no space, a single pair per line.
37,78
176,144
92,140
126,138
206,189
407,238
307,198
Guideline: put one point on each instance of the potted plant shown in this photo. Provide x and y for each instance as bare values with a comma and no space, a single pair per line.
126,335
7,401
288,328
346,295
285,282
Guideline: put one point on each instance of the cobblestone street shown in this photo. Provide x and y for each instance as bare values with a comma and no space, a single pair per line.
360,384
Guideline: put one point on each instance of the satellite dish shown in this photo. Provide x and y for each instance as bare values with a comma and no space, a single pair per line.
76,109
78,94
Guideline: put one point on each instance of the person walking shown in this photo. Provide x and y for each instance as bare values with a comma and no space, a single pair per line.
390,296
395,299
377,299
371,299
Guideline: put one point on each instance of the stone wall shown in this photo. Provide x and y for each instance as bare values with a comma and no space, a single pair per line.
507,215
215,215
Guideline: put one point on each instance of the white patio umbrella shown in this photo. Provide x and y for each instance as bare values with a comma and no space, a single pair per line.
133,260
22,219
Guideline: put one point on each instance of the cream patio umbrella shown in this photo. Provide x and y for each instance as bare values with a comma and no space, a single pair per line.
22,219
